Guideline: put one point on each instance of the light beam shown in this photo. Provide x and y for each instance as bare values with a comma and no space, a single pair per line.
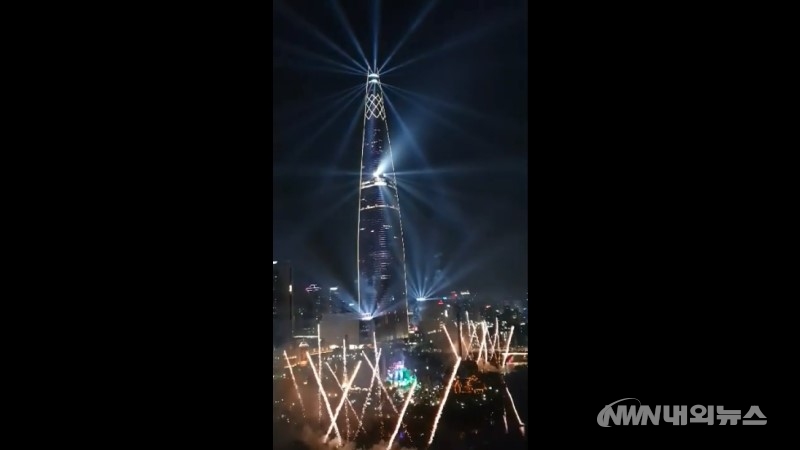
427,9
346,24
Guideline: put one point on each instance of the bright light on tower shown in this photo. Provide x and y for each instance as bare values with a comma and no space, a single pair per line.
381,257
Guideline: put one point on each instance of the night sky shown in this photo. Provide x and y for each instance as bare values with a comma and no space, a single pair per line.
458,131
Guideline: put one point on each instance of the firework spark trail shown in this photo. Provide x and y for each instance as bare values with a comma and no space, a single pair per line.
490,343
378,378
369,393
482,348
303,408
379,406
463,342
311,362
324,397
341,387
444,400
473,337
453,346
469,333
496,331
402,413
508,345
344,359
478,342
341,403
379,403
344,377
521,425
505,422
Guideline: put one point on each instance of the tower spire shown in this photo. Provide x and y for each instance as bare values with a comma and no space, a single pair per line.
382,291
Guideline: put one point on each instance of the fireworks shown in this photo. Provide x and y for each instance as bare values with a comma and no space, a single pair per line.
461,339
369,392
490,344
341,387
444,400
302,408
324,397
341,403
344,378
521,425
376,377
453,346
402,413
310,362
380,383
496,338
473,335
485,347
482,348
508,345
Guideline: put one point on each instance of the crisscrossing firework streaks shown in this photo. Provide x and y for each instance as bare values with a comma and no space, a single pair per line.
294,381
344,379
485,348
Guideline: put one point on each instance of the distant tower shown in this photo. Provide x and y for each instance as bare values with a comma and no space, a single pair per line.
381,253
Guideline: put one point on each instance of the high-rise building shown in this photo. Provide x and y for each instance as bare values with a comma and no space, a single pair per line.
336,305
381,253
315,303
305,304
282,305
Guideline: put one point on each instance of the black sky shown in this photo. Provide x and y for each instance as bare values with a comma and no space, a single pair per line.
463,139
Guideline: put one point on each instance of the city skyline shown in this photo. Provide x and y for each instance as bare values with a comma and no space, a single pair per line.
459,143
445,137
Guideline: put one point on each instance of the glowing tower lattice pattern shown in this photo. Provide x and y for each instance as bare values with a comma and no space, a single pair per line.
381,252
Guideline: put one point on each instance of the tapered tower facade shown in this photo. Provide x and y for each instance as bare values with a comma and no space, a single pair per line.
382,293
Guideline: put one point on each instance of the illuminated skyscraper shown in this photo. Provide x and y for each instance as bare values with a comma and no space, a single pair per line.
381,253
335,303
